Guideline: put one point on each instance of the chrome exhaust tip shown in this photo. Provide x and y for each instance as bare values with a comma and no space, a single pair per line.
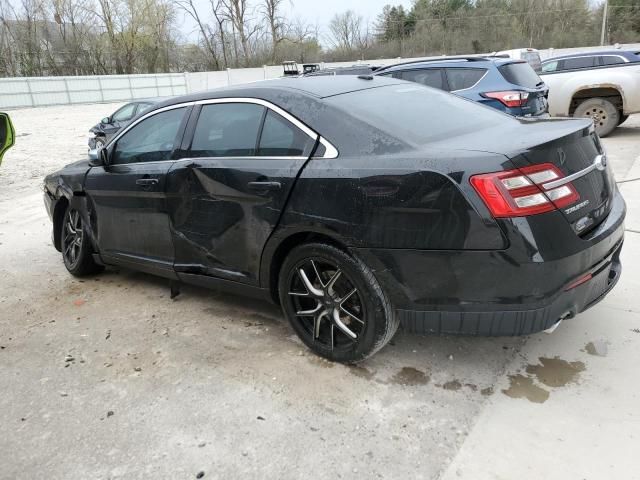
553,327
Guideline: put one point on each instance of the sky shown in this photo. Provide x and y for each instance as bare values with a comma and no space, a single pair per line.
313,12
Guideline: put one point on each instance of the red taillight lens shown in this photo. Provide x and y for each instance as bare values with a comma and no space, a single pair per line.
511,98
521,192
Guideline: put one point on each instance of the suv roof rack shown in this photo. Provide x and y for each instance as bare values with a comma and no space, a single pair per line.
468,58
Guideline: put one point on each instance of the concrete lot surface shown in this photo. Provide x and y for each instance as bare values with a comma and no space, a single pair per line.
107,377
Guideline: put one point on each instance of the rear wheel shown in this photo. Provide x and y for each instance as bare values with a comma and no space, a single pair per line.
622,117
76,247
604,114
334,303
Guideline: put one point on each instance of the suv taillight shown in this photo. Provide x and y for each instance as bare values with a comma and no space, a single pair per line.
521,192
511,98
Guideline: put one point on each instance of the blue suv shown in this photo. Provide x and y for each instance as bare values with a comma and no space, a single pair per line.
502,83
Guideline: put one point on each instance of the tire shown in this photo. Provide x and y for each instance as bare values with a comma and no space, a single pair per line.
346,316
622,117
605,115
77,253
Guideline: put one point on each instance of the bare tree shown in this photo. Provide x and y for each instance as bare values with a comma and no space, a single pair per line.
237,12
208,36
276,22
348,32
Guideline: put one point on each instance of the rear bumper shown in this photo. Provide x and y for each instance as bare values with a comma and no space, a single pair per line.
517,291
567,304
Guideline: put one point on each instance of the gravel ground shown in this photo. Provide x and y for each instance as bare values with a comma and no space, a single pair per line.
107,377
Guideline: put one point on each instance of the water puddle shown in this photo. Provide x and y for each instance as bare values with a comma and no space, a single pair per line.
453,385
361,372
555,372
409,376
487,392
523,387
598,348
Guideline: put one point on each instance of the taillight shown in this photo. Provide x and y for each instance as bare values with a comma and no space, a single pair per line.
511,98
521,192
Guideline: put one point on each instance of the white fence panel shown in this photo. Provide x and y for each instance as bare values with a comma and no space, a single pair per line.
45,91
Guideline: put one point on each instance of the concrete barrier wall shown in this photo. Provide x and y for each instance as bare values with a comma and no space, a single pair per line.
20,92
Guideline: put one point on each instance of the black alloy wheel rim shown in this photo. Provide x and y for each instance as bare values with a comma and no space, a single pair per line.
326,304
73,236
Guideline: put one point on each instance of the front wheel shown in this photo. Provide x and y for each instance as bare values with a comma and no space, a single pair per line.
334,303
604,114
76,246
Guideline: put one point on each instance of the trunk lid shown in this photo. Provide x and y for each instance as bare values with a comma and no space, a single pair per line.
570,145
577,155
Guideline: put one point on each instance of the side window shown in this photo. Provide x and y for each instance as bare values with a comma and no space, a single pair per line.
280,138
579,62
431,77
461,78
227,130
125,113
391,74
151,140
550,67
611,60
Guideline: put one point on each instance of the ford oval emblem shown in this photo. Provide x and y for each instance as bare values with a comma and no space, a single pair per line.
600,162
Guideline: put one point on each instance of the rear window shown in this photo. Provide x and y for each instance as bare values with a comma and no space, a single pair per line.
520,74
431,77
461,78
281,138
227,130
417,115
579,62
611,60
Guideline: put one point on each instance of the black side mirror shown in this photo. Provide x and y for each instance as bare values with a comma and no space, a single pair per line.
100,158
105,120
7,134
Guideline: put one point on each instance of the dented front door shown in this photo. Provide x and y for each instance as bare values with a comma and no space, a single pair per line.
127,197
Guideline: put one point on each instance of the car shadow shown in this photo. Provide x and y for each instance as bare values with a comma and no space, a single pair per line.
436,358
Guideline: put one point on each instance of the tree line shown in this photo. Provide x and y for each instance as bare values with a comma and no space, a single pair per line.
89,37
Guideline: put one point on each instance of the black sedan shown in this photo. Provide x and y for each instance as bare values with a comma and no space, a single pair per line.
341,200
102,132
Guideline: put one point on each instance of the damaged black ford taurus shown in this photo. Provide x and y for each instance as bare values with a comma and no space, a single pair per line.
358,204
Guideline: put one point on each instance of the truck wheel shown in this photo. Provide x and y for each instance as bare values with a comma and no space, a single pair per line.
604,114
623,117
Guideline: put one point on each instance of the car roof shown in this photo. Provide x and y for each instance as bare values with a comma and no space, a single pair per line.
315,86
595,53
454,61
149,100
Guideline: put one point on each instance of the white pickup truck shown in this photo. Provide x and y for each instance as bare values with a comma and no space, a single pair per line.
603,85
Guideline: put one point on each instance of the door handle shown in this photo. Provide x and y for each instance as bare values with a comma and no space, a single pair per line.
145,182
264,185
